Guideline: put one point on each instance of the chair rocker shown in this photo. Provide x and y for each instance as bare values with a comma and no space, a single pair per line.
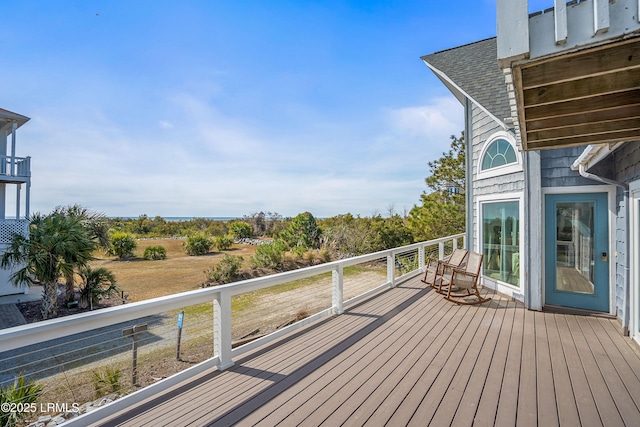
438,272
465,280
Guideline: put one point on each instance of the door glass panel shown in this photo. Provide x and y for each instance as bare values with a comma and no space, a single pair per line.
575,255
501,241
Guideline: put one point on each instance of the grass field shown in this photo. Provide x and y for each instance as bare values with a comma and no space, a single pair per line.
144,279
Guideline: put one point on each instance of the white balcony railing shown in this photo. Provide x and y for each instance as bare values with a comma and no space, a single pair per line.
17,167
42,351
566,27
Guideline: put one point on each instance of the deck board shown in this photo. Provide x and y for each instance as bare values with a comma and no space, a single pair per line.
563,394
547,410
409,357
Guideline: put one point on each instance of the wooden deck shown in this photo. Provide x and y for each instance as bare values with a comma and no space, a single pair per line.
408,357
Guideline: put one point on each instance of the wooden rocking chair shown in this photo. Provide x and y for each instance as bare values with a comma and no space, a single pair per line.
466,280
438,272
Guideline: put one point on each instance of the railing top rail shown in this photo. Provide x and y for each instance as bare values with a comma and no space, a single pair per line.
23,335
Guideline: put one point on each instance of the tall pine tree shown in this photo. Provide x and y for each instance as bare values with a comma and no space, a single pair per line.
442,210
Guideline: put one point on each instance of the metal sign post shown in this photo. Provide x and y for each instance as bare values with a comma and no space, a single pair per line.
180,319
133,333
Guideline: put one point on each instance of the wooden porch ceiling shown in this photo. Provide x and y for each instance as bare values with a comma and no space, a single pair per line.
588,97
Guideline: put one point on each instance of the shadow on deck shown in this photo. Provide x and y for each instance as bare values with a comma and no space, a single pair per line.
408,357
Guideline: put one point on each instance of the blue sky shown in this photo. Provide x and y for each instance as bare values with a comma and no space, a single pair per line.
223,108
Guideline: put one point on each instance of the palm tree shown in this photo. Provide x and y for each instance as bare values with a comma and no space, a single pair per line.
56,244
98,282
95,225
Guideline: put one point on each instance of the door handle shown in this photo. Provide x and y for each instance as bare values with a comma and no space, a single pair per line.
604,256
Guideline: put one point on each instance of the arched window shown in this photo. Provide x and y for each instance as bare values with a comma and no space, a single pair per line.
499,156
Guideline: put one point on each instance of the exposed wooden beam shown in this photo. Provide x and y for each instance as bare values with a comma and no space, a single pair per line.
597,103
585,129
584,88
600,115
628,135
595,62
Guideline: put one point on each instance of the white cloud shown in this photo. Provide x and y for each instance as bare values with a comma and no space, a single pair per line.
207,163
441,116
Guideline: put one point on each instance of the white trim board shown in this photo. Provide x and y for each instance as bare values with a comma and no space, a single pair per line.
504,288
634,257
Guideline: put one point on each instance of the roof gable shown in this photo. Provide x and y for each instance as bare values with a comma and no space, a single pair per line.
473,68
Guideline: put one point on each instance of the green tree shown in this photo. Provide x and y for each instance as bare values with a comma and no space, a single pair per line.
122,245
240,229
223,242
302,232
198,244
95,225
55,246
390,233
442,211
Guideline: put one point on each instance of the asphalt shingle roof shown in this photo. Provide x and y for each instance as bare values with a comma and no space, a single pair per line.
474,68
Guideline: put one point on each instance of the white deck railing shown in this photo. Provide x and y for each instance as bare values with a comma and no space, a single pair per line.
401,263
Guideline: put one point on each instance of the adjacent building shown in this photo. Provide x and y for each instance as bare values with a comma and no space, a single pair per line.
15,176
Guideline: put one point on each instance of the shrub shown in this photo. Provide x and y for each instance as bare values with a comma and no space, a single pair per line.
198,244
21,392
324,255
107,381
269,255
240,229
226,270
223,242
97,283
155,252
122,245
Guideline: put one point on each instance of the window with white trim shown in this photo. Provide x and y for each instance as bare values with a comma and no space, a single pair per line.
501,240
499,156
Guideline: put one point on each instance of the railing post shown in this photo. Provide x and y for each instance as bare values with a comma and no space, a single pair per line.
14,127
421,257
454,244
337,294
222,329
391,269
441,250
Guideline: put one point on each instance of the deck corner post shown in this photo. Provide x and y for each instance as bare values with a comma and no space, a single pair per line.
222,330
391,269
337,291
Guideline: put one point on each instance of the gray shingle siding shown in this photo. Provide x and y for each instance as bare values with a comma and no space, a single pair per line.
483,128
624,166
555,168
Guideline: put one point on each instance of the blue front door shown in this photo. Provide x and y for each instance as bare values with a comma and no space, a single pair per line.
577,251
